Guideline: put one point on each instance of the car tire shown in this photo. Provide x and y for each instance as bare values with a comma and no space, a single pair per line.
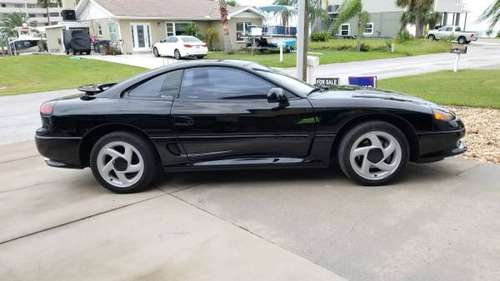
177,54
155,52
370,162
431,37
462,40
200,57
124,162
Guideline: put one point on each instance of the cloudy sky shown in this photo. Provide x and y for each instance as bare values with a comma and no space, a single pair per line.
475,8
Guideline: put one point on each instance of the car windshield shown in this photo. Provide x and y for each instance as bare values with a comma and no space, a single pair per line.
297,86
190,39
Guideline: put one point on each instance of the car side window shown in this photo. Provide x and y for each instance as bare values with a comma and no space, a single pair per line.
163,85
219,83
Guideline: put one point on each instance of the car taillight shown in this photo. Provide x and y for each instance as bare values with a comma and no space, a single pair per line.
188,46
204,45
47,108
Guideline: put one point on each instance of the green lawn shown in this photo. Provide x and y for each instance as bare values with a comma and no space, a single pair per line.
343,50
39,73
477,88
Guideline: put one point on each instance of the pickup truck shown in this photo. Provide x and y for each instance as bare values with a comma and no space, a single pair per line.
453,33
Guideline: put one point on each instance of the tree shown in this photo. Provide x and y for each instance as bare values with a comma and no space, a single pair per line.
285,13
10,22
492,14
232,3
225,24
417,9
47,4
352,9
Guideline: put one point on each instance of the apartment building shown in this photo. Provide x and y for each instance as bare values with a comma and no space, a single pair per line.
37,15
385,16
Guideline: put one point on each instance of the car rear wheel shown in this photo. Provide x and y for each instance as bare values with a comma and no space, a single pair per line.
155,52
123,162
373,153
177,55
462,40
431,37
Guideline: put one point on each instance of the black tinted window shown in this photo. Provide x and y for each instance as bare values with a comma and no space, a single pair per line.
210,83
163,85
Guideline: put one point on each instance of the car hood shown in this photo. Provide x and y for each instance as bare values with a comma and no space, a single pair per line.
369,94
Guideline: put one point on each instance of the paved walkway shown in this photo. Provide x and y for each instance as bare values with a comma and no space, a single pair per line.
439,223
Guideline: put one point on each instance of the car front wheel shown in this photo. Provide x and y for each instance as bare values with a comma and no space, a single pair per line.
123,162
374,153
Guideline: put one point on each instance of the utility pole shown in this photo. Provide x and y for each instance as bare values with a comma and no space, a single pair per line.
302,38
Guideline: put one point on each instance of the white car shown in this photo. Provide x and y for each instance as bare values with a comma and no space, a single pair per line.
180,47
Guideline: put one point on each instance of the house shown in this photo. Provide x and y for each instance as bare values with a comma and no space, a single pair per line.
385,16
137,24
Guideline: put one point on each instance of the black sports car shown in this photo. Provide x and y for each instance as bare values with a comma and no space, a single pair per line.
238,115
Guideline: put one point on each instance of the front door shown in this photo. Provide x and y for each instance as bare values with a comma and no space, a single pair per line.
141,36
223,118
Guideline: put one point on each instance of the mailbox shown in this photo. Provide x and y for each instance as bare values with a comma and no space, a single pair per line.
458,49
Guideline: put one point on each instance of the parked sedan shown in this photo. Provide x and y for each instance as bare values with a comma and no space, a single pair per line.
180,47
228,115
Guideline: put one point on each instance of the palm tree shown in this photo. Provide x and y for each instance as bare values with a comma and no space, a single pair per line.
285,13
492,14
47,4
225,24
417,9
351,9
10,22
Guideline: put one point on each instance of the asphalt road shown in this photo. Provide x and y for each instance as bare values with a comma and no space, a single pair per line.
440,222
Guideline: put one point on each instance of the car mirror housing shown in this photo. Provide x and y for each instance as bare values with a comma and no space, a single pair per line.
277,95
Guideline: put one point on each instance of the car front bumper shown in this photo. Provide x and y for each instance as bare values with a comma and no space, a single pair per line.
436,146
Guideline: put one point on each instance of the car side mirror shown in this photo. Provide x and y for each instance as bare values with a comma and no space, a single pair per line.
277,95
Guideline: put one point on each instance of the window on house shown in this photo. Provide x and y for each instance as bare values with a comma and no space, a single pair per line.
99,29
177,28
242,29
368,28
170,29
181,28
113,32
345,29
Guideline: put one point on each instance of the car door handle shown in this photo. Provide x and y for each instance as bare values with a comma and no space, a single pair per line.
183,121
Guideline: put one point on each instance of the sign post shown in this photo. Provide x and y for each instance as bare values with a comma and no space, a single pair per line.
458,50
302,37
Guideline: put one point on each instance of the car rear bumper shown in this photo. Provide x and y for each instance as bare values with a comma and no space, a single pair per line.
195,52
439,145
61,152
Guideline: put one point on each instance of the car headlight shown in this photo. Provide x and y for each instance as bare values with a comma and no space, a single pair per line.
442,115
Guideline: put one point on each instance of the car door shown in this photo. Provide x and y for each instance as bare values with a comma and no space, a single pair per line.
222,117
148,108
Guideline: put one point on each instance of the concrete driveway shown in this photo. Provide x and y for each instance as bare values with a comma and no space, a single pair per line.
439,223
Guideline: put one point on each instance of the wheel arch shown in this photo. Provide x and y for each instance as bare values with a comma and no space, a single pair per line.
401,123
91,137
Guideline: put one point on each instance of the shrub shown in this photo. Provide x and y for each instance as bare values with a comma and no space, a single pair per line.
192,29
212,37
405,36
320,36
363,47
498,34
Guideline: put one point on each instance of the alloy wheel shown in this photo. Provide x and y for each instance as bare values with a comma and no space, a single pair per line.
120,164
375,155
